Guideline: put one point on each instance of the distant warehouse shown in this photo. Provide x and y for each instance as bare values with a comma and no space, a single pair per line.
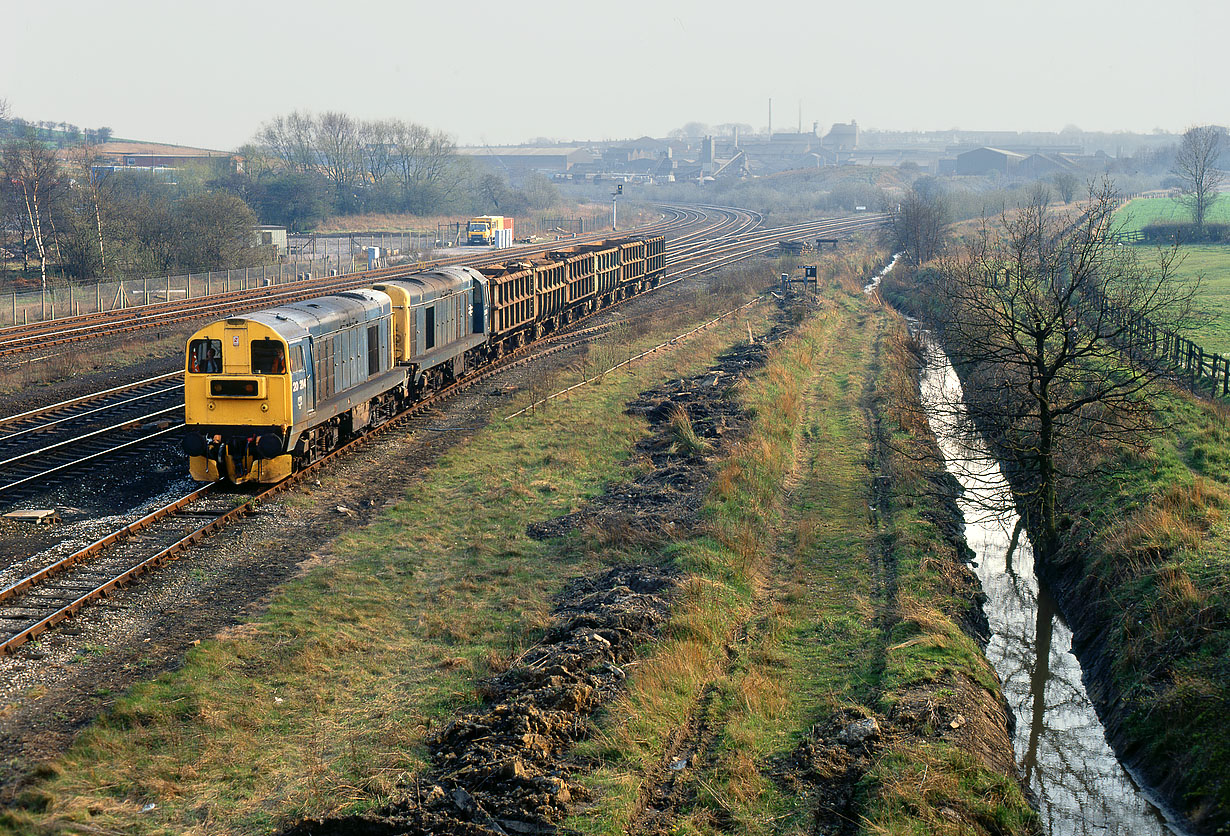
986,160
522,160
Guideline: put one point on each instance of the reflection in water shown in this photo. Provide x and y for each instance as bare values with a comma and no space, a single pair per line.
874,284
1060,744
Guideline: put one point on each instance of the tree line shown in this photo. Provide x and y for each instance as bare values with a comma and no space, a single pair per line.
63,210
62,214
302,167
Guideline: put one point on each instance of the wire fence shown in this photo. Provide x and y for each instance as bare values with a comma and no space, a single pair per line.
309,256
63,297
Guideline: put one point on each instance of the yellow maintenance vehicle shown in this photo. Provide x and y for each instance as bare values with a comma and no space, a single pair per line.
491,231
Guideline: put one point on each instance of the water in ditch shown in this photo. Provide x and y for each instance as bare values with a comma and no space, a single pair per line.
1060,744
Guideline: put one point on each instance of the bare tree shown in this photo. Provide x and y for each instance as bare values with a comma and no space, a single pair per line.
291,139
375,149
1195,164
337,146
920,222
90,186
421,160
1066,184
31,166
1039,314
359,156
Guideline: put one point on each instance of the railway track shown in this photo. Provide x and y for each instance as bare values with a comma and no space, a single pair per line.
42,446
41,449
61,333
32,605
63,587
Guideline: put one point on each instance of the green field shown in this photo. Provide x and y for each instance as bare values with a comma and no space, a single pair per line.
1139,213
1212,264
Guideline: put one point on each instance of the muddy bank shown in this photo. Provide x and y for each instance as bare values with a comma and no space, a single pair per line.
1096,622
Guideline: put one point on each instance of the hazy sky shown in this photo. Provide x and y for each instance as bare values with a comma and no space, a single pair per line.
209,73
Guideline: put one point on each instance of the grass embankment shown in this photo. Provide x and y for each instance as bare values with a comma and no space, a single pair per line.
322,704
1142,579
814,601
1148,564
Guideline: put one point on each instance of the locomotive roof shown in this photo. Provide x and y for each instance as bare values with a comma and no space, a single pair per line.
435,284
325,314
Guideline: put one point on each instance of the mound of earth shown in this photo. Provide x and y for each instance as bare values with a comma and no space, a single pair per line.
692,422
497,770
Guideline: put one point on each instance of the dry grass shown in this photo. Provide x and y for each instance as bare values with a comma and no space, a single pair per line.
684,439
939,791
1179,519
74,360
323,704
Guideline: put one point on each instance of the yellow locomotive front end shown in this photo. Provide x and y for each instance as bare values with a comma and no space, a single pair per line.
238,403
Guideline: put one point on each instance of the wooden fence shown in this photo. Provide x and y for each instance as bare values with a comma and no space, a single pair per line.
1203,372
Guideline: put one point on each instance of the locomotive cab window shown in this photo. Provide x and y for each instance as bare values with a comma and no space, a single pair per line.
205,356
268,357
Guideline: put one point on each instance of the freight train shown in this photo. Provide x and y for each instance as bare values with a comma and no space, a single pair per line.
269,392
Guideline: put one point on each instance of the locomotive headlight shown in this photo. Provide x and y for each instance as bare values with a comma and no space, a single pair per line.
264,407
211,404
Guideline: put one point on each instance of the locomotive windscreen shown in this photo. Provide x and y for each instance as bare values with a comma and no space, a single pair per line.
205,356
